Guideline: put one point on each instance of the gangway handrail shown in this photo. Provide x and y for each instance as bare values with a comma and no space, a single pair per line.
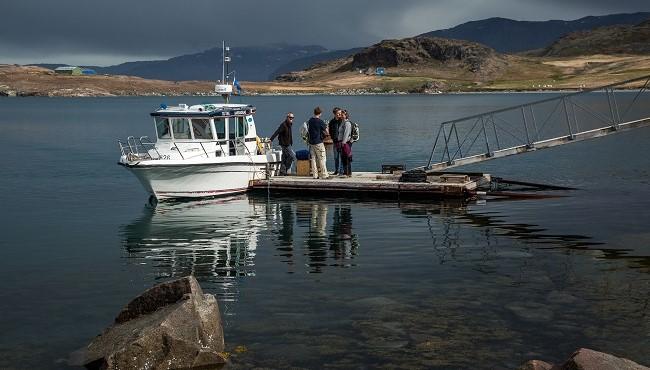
515,143
536,102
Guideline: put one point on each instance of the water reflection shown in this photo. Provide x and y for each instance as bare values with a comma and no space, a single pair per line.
217,240
212,239
322,230
449,224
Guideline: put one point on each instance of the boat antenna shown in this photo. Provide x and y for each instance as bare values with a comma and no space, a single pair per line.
224,87
223,61
227,62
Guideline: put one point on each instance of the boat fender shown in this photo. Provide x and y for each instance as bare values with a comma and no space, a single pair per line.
260,145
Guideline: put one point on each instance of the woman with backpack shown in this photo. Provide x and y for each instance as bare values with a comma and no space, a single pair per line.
345,137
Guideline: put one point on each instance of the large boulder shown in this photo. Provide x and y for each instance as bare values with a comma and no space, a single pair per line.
170,326
587,359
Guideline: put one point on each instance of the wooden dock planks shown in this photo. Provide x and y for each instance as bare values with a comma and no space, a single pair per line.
371,184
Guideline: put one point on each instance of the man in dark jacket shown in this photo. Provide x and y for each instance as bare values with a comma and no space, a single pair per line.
333,127
285,139
318,130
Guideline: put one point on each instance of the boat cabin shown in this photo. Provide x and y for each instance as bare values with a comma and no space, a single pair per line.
205,130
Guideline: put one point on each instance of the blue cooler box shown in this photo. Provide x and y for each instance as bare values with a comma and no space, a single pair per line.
302,155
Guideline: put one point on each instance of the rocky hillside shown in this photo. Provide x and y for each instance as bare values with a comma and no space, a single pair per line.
428,50
414,56
612,40
308,61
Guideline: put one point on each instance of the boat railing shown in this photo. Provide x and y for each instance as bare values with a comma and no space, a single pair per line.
143,148
138,148
203,152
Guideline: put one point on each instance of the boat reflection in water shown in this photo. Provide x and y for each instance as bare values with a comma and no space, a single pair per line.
217,240
214,240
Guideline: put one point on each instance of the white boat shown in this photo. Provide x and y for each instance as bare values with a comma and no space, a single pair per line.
200,150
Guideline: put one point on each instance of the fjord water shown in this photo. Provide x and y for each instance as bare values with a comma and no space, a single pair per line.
326,282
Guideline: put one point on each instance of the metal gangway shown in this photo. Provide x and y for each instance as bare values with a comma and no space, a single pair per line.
541,124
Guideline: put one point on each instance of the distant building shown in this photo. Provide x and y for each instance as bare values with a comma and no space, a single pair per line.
88,72
69,70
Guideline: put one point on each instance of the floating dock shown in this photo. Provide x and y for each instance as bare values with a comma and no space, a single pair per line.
376,184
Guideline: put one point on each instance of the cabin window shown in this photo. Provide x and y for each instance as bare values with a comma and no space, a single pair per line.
162,128
181,128
242,127
232,129
220,128
201,129
237,127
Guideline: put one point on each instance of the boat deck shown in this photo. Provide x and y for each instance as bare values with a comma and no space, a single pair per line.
374,184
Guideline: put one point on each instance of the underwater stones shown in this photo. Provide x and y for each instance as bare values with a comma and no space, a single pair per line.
586,359
375,302
531,311
536,365
171,325
557,297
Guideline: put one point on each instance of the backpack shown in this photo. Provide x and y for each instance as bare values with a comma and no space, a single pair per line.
304,133
354,136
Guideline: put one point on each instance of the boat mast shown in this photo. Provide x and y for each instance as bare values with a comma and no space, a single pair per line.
223,61
224,87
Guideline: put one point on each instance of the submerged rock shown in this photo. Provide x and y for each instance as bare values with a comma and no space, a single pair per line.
536,365
586,359
171,325
531,311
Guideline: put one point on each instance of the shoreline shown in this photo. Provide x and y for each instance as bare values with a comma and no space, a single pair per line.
20,81
19,94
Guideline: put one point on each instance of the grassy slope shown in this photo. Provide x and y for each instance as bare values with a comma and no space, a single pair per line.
521,73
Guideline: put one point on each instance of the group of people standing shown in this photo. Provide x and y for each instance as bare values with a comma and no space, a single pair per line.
338,128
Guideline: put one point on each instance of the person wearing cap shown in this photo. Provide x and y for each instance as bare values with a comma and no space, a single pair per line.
285,139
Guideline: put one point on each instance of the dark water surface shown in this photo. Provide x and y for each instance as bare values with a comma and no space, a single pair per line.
332,282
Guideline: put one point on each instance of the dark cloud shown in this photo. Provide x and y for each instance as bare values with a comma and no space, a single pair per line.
118,30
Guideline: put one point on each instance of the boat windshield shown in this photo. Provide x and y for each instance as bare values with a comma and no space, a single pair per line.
180,128
162,128
201,129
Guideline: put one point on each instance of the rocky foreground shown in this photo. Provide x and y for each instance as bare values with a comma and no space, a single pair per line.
586,359
173,325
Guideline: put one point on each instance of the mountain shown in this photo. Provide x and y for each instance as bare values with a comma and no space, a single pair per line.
415,56
509,36
305,62
605,40
426,50
254,63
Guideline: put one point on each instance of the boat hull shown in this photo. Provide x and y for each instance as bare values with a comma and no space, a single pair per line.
166,181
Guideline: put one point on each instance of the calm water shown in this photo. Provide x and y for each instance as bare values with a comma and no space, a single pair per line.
332,282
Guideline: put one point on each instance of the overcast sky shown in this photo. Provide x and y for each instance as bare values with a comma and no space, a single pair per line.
115,31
